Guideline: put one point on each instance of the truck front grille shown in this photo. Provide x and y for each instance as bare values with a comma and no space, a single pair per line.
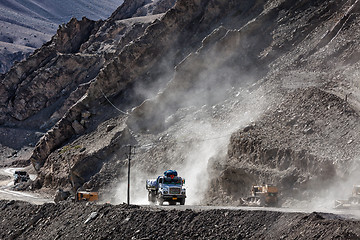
174,190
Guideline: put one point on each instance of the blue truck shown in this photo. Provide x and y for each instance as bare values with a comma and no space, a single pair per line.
167,188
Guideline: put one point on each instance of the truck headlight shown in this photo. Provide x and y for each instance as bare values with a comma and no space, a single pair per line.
165,192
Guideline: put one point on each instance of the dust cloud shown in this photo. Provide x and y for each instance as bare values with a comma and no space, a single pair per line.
204,135
340,189
322,198
210,141
207,99
138,193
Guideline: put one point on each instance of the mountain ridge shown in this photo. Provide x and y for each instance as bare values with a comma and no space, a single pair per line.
274,77
27,25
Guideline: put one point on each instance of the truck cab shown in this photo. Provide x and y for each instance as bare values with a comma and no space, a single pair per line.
168,188
21,176
171,190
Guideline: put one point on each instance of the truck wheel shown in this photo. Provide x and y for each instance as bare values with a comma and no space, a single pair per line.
182,201
151,197
160,201
262,202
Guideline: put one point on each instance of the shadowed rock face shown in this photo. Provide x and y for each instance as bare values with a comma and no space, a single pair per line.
39,91
49,75
139,8
78,46
276,80
8,58
71,36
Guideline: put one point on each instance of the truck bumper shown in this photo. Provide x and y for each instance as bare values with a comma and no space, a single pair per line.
173,197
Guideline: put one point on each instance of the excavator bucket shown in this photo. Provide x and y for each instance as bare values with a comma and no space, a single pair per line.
342,204
346,204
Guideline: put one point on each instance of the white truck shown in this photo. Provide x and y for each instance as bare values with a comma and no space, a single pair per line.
21,176
168,188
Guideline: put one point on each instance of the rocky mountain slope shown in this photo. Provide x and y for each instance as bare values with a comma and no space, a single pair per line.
267,92
27,25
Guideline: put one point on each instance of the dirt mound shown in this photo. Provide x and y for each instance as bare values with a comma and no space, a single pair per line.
290,146
68,220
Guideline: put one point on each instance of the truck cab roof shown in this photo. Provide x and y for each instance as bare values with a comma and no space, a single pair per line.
169,180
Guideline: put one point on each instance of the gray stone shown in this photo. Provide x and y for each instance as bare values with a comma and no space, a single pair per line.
78,128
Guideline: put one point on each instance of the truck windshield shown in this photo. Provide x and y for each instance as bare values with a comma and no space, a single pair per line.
175,180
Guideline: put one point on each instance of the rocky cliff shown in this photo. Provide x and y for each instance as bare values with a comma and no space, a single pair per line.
231,93
26,26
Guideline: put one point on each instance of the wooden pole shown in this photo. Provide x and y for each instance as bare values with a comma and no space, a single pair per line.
128,190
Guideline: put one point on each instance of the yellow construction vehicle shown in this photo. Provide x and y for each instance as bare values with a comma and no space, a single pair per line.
263,195
87,196
353,202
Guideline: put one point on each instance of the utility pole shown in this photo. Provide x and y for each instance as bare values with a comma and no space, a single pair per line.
129,158
71,177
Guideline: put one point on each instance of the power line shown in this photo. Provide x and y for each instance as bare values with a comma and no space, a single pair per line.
201,140
121,111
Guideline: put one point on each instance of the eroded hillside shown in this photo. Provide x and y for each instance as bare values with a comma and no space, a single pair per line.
267,92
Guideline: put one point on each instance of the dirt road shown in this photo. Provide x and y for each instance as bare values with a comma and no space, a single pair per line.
37,217
8,193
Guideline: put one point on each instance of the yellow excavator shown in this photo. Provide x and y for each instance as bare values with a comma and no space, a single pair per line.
263,195
352,202
87,196
79,196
